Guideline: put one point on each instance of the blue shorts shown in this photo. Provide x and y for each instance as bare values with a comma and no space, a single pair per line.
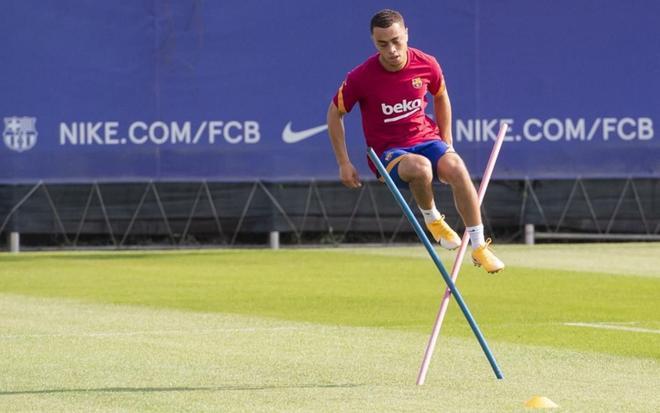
432,151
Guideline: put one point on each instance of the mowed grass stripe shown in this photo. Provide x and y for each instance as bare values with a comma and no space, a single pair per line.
283,366
635,258
521,305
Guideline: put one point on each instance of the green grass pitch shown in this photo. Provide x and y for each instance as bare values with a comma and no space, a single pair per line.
340,329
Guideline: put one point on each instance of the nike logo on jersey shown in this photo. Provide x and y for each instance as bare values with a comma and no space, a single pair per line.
290,136
404,108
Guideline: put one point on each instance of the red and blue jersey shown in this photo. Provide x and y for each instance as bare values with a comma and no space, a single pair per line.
393,104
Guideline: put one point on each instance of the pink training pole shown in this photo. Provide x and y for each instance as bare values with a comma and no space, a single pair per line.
421,378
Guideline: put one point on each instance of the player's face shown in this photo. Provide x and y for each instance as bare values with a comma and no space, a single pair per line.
392,44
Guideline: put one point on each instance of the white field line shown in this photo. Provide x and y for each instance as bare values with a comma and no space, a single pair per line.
614,327
150,333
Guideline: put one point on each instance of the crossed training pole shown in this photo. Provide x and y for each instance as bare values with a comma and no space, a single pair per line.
421,377
436,260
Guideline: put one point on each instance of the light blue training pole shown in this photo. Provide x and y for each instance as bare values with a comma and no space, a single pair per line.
422,236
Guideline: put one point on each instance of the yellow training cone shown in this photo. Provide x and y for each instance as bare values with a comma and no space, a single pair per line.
540,402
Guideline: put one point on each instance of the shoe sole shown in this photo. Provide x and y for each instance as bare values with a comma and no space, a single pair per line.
439,242
455,245
476,264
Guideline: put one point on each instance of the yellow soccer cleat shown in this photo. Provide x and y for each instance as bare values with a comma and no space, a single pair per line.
443,234
484,257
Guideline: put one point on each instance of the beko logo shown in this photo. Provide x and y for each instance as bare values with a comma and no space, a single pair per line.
404,108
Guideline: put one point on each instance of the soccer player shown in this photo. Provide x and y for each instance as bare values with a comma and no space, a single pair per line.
391,88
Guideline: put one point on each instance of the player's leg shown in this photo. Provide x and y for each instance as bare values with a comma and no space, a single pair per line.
452,170
417,172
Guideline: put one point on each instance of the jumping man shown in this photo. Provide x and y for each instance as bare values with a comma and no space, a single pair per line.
391,88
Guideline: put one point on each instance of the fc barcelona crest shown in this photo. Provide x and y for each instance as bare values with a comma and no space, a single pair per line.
20,134
417,82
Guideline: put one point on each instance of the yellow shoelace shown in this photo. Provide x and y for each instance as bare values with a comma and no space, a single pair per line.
445,230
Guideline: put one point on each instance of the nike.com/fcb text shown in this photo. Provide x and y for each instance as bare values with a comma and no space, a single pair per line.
160,133
556,129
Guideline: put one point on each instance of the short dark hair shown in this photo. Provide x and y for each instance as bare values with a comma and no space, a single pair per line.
385,18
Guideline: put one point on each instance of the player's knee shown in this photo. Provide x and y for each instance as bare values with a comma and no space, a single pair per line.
416,168
453,170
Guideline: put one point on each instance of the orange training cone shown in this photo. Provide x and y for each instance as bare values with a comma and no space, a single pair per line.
540,402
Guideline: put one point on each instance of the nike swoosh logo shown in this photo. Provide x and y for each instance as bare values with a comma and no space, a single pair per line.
290,136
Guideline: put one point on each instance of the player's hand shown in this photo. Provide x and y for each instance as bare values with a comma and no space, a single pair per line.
349,175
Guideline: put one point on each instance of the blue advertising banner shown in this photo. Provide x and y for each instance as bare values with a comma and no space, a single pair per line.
238,90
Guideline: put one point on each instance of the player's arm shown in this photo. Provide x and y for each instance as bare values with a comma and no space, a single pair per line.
347,172
442,112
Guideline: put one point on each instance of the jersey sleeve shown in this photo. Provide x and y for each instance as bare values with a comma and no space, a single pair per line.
347,94
437,83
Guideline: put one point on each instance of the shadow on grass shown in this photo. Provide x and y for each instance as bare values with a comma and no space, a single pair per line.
176,389
112,254
81,257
